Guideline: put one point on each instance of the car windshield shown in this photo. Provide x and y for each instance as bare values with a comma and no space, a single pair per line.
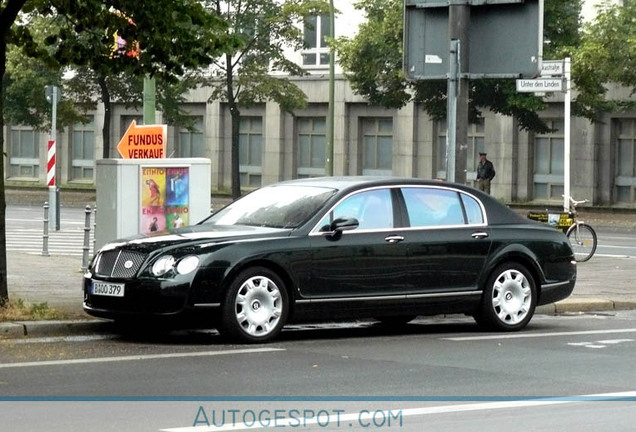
282,206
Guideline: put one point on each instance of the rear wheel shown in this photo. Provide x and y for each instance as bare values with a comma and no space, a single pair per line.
255,307
509,298
583,241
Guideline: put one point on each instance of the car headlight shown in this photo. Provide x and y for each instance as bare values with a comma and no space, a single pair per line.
187,264
163,265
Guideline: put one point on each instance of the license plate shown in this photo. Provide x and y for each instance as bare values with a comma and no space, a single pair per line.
107,289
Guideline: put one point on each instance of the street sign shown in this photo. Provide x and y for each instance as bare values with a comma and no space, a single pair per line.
551,68
143,142
540,85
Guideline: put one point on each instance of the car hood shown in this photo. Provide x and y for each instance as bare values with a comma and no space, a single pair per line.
194,235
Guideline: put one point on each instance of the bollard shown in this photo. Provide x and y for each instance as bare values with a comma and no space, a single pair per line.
87,237
45,235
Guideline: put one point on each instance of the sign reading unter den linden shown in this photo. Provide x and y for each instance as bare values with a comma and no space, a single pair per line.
540,85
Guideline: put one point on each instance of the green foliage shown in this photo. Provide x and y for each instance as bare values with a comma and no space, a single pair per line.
250,72
372,61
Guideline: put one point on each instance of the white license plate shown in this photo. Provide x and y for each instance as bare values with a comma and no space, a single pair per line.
107,289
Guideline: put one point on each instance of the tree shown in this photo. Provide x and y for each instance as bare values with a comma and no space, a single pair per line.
9,10
242,77
372,61
84,35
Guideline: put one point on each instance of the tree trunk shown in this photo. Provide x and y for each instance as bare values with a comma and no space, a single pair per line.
4,288
107,111
235,114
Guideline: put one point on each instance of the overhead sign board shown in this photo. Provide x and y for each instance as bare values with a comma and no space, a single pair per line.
541,85
505,39
143,142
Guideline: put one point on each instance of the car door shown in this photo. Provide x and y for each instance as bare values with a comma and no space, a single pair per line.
369,260
448,240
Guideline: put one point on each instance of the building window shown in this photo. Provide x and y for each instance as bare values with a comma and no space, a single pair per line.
24,160
377,146
251,151
315,50
548,162
475,146
190,141
83,151
625,178
312,147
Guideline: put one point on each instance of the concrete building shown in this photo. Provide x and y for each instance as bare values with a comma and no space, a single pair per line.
369,140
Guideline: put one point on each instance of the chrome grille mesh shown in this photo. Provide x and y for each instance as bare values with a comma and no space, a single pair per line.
119,264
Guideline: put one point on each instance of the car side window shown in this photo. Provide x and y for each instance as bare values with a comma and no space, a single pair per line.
473,210
373,209
429,207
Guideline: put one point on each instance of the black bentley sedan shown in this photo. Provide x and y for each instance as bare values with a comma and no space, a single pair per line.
334,248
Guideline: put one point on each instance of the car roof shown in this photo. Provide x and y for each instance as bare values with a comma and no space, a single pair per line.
498,213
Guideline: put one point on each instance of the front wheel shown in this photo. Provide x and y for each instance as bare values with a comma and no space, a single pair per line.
509,298
583,241
255,307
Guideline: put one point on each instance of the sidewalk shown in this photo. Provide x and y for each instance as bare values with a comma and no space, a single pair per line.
604,284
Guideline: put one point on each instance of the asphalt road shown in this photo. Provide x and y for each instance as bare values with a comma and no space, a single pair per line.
434,374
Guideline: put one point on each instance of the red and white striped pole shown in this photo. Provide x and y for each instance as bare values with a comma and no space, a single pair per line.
54,201
50,167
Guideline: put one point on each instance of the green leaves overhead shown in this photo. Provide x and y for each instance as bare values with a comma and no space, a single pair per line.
372,61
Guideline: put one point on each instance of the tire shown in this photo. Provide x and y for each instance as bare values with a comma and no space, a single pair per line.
509,299
396,321
583,241
255,307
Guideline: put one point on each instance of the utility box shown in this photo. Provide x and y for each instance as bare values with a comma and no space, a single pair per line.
149,195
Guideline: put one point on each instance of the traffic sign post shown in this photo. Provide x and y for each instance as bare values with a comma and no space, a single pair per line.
53,95
556,78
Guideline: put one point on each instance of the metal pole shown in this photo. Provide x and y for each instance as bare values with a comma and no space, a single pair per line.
451,112
458,21
566,137
87,237
53,194
149,100
45,235
330,117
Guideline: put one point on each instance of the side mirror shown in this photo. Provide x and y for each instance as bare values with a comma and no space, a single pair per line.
344,224
334,231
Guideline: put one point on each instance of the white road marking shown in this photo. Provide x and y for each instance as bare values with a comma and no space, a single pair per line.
410,412
137,357
538,335
55,339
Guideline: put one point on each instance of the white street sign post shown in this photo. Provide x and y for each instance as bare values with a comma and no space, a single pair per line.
555,78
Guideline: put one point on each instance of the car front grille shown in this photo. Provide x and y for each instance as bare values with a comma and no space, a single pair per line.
119,264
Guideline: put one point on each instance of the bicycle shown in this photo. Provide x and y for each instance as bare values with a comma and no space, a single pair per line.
582,236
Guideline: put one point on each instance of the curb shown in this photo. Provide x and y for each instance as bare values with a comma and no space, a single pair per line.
20,329
9,330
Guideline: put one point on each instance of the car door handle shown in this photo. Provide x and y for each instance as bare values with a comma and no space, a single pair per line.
480,235
394,239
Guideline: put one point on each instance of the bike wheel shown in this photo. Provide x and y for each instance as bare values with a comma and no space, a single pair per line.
583,241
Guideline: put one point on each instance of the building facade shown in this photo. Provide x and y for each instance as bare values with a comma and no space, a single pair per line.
368,140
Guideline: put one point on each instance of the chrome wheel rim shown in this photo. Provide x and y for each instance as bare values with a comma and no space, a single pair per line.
258,306
511,297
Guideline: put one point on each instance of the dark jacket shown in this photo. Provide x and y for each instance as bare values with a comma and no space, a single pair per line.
485,170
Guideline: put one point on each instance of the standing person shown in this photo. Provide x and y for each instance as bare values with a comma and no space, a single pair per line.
485,173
